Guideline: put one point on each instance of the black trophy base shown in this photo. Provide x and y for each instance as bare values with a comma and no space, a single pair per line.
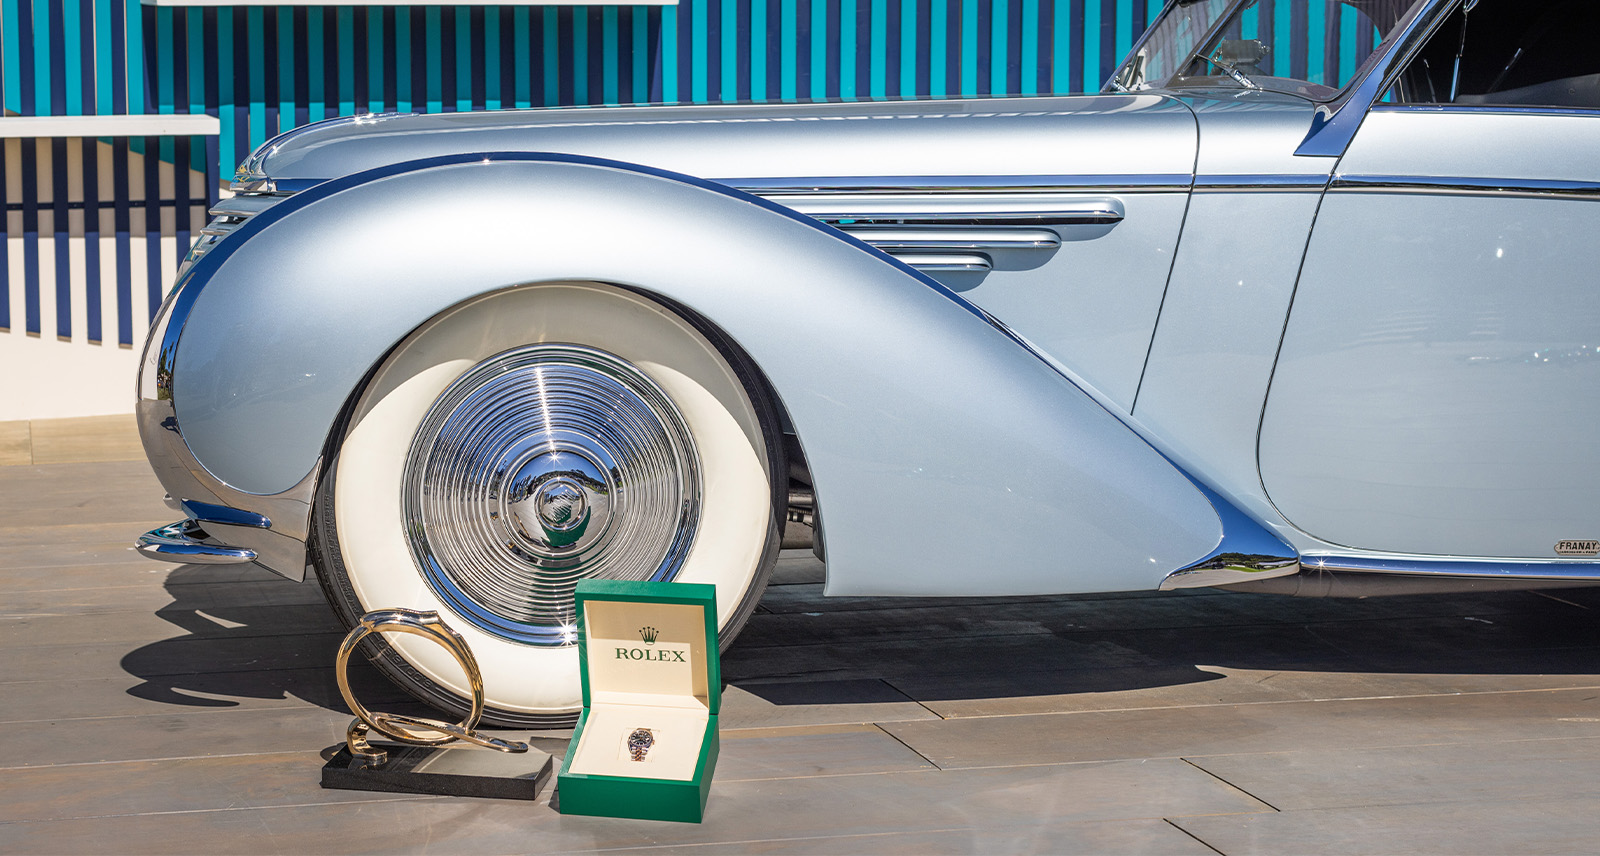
452,771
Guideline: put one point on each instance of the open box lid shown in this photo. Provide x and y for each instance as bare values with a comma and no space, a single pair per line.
649,643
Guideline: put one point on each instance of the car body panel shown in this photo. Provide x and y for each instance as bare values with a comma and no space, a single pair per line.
1223,318
1076,146
1080,134
1225,304
978,429
1443,401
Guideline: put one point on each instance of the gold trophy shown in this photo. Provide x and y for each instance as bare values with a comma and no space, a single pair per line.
424,762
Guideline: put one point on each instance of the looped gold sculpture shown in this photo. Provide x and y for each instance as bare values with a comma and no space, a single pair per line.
429,626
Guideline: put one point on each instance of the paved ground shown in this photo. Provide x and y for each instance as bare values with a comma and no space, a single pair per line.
157,709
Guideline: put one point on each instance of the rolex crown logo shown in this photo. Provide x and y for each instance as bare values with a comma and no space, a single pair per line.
648,634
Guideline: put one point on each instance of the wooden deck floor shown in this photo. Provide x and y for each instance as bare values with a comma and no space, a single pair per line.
158,709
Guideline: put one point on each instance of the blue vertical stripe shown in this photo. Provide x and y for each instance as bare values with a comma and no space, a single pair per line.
1030,47
519,62
697,52
60,233
227,135
93,324
198,83
1349,24
729,38
910,81
998,46
30,235
286,103
345,24
817,61
11,58
551,58
73,56
120,240
5,243
375,59
641,55
463,65
41,61
402,57
877,41
255,48
969,48
152,227
491,58
121,223
580,56
1316,25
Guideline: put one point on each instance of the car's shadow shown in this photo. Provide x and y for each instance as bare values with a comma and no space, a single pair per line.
244,633
247,635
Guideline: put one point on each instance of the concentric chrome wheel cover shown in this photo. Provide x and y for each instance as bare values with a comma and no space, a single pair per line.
537,468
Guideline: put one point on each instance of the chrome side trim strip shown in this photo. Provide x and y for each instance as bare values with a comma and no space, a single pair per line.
892,240
181,543
846,184
245,204
1466,185
1524,569
1261,183
1089,216
942,263
939,209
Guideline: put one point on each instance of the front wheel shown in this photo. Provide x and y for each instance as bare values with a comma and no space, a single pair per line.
529,439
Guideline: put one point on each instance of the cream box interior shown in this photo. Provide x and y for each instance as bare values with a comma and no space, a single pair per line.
645,669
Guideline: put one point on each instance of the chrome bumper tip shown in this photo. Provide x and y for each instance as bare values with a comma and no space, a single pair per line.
183,543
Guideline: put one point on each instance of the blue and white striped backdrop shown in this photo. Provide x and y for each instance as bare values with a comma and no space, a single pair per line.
263,70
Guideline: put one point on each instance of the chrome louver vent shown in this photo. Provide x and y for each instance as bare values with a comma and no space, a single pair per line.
955,235
227,216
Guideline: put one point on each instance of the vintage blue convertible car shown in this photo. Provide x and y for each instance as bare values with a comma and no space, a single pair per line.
1305,301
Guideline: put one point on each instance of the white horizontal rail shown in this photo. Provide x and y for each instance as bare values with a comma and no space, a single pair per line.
163,125
394,3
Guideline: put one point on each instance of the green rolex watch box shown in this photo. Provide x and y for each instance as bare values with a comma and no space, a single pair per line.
646,742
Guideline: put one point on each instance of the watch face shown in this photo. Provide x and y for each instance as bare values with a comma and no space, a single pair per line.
639,742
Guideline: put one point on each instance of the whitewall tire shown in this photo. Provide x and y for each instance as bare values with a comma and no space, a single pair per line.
530,438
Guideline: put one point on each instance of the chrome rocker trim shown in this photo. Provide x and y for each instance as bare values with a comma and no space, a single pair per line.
1512,569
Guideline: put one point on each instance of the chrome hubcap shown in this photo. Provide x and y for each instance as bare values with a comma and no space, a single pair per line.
557,502
542,466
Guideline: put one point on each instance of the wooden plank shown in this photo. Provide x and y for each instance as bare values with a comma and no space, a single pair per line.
16,444
87,439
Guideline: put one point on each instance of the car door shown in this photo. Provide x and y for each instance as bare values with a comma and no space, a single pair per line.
1438,386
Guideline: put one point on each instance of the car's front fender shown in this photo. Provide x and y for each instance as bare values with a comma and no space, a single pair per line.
948,458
